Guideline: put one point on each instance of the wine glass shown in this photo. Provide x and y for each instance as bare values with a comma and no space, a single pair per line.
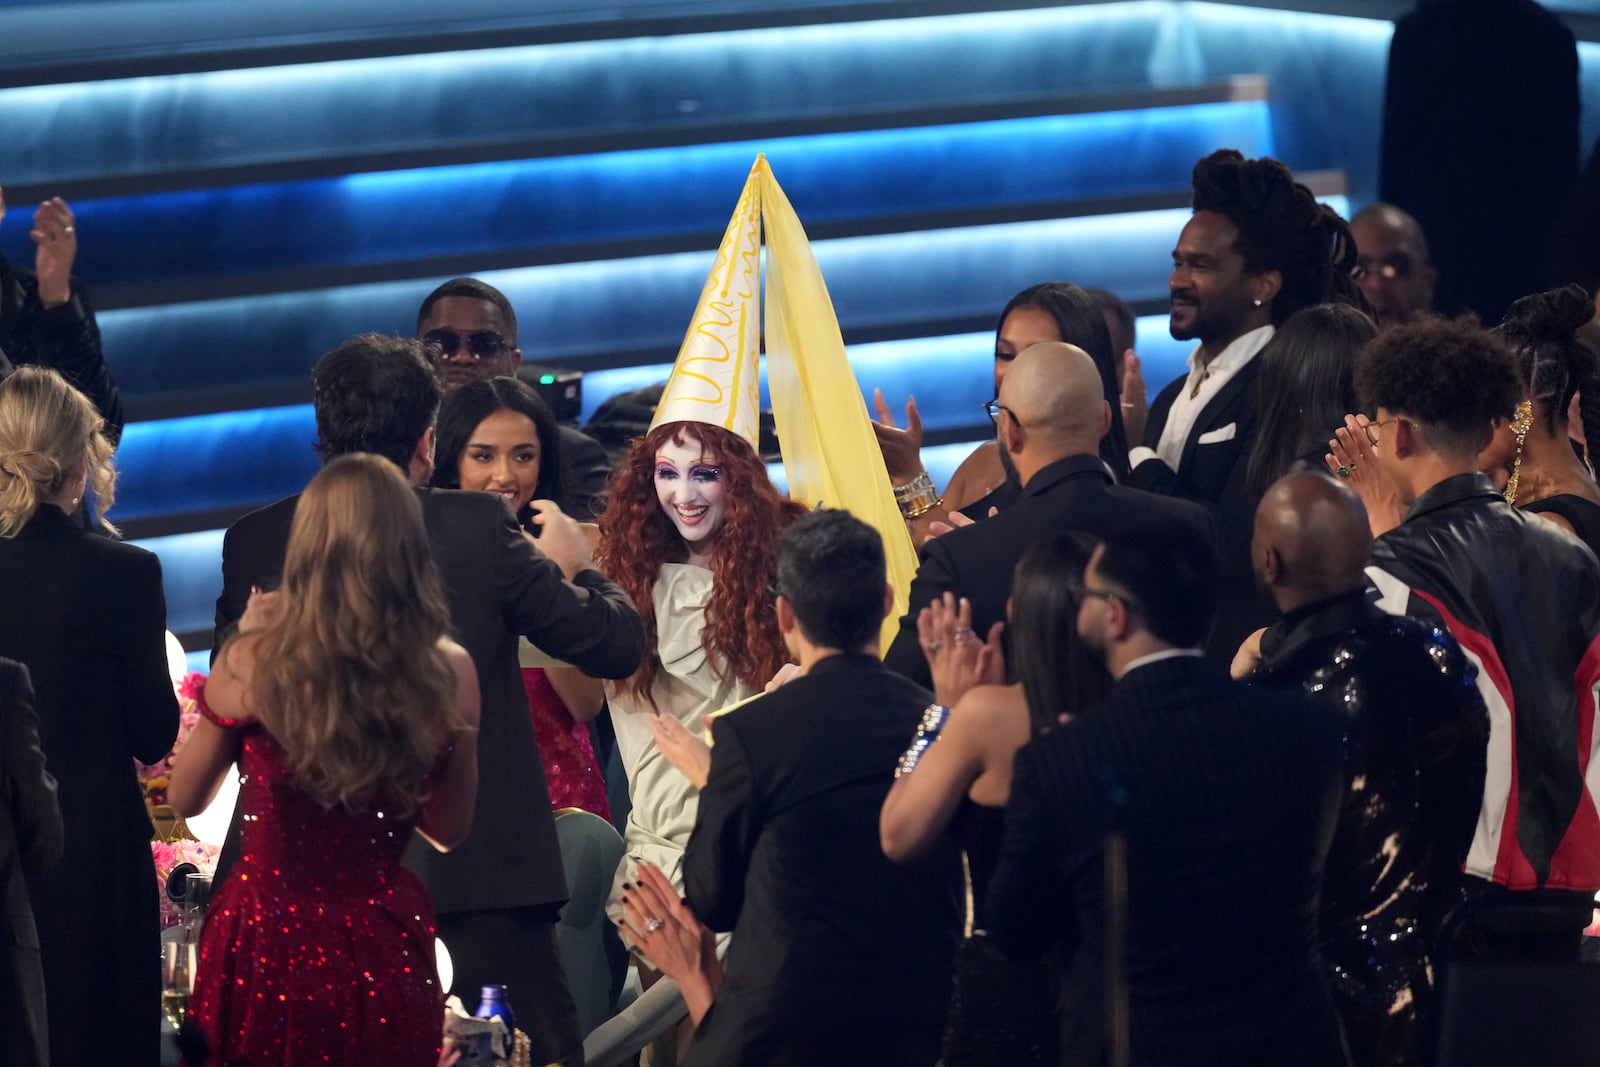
177,980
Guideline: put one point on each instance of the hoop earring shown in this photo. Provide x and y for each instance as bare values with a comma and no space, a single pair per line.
1520,424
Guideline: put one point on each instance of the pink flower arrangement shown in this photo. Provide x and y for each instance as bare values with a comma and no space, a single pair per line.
153,776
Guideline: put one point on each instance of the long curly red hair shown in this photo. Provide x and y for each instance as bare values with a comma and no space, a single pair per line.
636,538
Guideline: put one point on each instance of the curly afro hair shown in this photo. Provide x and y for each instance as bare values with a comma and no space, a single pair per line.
1451,375
1281,228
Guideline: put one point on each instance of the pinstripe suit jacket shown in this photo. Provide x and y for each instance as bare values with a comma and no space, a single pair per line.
1227,798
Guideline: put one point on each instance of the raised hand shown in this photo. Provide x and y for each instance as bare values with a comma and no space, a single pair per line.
56,246
957,657
1135,405
902,449
1350,458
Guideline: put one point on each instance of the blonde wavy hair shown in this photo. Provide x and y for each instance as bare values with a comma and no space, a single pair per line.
349,677
46,429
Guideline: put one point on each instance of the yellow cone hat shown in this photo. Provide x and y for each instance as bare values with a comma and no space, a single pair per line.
830,456
715,378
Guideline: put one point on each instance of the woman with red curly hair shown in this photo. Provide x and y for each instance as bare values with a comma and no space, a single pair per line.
691,533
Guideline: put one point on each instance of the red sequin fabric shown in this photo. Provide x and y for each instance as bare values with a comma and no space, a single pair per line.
565,752
318,949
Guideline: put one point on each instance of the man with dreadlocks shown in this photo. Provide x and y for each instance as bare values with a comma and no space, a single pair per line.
1257,249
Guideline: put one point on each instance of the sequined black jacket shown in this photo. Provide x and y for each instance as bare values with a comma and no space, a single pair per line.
1415,737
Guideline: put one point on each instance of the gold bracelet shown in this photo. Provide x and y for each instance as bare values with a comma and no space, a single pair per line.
921,508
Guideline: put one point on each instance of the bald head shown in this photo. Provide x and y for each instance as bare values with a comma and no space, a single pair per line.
1056,395
1312,540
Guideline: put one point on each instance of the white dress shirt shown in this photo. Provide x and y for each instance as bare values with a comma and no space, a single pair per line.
1203,383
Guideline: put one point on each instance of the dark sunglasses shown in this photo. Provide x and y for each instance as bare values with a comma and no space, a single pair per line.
481,344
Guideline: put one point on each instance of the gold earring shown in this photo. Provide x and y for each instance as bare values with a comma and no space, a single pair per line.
1521,422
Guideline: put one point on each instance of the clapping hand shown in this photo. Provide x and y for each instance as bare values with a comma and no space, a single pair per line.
666,933
261,611
956,657
1135,406
683,750
1351,459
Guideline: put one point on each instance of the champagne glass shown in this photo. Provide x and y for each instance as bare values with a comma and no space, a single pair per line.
178,965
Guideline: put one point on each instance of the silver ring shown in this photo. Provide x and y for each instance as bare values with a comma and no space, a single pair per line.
69,229
934,646
652,924
963,635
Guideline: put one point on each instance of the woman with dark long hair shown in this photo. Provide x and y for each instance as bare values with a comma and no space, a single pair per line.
690,532
957,776
1306,386
496,435
353,718
1052,311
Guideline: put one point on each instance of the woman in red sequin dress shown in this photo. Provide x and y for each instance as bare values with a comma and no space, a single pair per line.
496,435
353,719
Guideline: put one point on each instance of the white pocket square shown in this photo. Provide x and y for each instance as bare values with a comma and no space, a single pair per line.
1217,436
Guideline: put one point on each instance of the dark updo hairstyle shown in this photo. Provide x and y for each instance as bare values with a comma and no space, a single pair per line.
467,407
1281,228
1080,322
1057,670
1541,331
1306,386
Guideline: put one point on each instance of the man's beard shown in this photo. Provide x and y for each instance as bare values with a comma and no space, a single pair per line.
1013,479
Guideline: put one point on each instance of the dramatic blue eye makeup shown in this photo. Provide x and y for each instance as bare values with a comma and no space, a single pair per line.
704,472
666,470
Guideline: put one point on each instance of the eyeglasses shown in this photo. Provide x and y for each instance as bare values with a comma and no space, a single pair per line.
1399,266
1081,589
481,344
993,408
1372,428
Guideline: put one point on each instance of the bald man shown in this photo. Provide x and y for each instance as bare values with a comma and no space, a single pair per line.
1049,418
1397,273
1416,733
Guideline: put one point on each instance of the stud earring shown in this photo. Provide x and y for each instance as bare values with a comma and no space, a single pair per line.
1257,303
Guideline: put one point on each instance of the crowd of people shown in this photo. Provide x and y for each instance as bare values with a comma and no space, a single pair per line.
1214,720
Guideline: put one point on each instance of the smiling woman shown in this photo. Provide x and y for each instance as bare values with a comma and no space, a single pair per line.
691,533
497,436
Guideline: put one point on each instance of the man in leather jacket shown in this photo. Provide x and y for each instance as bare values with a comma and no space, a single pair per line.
1520,595
1415,735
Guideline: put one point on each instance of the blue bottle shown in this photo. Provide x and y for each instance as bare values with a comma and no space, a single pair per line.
492,1002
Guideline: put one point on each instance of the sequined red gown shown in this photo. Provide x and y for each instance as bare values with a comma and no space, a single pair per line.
570,767
318,949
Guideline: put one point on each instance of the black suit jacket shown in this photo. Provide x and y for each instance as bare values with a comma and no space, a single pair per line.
86,614
1227,797
1213,476
838,955
30,840
976,561
499,586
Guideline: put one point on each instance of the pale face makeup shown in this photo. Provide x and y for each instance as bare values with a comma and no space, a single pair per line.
690,489
502,456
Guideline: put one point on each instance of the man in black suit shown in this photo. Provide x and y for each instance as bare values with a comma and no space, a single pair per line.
1257,249
499,892
1049,419
1221,799
838,955
30,840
